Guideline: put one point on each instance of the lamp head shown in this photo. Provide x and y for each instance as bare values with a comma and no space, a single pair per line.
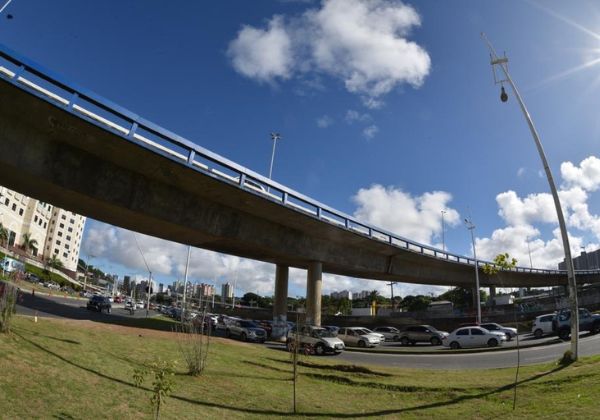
503,95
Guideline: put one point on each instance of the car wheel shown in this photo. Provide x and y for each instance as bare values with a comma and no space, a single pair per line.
564,333
454,345
492,342
435,341
404,341
361,343
227,333
243,337
595,328
319,349
538,333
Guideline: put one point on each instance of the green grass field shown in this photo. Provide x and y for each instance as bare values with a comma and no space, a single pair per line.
81,369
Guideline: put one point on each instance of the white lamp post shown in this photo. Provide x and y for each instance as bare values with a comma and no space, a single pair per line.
471,227
502,62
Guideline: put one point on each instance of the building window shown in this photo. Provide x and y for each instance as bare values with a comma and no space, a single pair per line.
67,246
45,225
64,217
7,202
59,233
65,254
14,207
55,251
62,225
70,229
35,219
20,212
72,221
68,238
57,242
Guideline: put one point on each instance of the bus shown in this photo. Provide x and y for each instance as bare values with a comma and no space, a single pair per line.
10,264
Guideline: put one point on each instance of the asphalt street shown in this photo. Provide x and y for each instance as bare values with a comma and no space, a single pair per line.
60,307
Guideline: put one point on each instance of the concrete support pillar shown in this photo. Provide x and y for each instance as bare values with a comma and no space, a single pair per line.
280,303
313,293
492,296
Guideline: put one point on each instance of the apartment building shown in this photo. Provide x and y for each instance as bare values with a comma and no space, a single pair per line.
55,231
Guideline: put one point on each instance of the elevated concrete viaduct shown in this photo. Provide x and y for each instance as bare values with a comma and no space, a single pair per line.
52,150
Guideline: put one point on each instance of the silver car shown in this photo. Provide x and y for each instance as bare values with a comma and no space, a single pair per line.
357,336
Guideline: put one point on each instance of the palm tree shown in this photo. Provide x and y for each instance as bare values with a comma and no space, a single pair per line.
3,235
54,262
28,243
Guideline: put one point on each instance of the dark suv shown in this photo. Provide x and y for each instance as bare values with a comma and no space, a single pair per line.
99,303
561,323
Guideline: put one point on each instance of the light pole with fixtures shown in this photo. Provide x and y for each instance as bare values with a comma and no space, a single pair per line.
443,231
275,137
471,227
502,62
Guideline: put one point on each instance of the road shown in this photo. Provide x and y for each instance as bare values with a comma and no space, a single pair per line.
59,307
588,345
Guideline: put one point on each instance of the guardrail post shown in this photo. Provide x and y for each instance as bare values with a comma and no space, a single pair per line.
74,98
132,130
242,180
191,157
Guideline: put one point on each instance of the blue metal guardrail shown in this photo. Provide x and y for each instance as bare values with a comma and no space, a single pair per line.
107,115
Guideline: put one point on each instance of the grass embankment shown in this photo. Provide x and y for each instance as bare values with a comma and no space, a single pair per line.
82,369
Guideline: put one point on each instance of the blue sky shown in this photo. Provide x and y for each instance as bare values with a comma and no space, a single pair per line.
388,111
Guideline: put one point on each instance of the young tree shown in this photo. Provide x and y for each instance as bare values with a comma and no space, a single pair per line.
28,243
3,235
54,262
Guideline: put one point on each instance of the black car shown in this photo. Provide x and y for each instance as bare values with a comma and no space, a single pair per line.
99,303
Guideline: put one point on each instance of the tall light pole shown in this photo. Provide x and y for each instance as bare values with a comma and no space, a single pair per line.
275,137
391,284
185,277
443,231
149,275
471,227
502,62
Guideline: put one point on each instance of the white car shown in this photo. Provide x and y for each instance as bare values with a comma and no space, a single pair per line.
473,337
492,327
357,336
389,333
542,325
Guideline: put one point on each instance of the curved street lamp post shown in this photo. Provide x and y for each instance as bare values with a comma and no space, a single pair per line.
502,63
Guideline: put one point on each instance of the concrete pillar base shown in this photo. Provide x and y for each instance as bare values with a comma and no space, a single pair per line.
313,293
280,326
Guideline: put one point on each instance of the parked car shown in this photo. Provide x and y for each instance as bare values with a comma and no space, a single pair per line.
246,331
492,326
422,334
389,333
33,278
380,335
99,303
319,339
561,323
331,328
473,337
357,336
542,325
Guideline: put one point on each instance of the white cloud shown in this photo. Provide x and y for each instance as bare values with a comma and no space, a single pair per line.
363,43
534,208
370,132
415,218
520,172
586,175
264,55
324,121
353,116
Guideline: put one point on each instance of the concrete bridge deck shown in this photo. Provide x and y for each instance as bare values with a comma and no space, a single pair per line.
69,147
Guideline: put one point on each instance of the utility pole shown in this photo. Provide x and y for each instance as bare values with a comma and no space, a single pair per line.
502,62
185,277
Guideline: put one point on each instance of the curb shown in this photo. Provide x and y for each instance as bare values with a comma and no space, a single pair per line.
449,351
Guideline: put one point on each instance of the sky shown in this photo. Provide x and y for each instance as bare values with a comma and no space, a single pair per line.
388,111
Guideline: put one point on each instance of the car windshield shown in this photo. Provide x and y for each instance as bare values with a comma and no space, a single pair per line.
430,328
248,324
322,332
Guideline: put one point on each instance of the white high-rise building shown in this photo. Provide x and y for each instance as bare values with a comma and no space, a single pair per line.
226,291
56,231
